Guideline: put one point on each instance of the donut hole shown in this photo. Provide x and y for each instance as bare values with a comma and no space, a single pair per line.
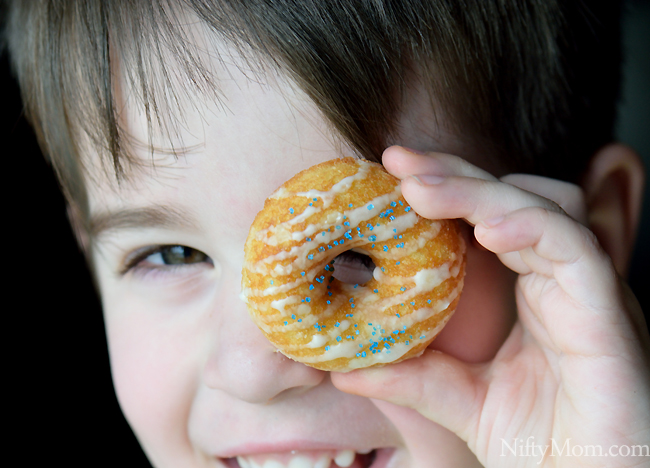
353,267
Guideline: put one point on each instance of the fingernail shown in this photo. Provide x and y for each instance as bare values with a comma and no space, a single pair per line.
424,179
492,221
414,151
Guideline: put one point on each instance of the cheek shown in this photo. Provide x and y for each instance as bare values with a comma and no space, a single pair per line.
486,311
151,373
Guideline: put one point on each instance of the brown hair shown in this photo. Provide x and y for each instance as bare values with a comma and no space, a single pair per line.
536,79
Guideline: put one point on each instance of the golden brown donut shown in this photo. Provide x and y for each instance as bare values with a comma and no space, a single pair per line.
313,318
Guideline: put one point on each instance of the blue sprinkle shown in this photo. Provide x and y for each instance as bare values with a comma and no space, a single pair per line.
308,299
293,316
327,348
400,202
310,257
329,302
271,281
336,243
342,241
397,263
329,246
322,233
311,287
372,246
403,288
407,209
338,338
327,268
376,291
429,301
407,342
338,227
329,293
370,323
393,203
413,303
302,273
383,269
372,238
356,331
314,199
291,210
308,239
422,337
360,345
286,323
337,324
392,218
352,305
355,325
363,354
300,320
385,249
345,217
350,205
311,204
347,223
371,206
397,315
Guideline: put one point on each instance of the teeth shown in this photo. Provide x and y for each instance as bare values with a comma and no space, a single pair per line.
301,462
322,462
273,464
344,458
243,462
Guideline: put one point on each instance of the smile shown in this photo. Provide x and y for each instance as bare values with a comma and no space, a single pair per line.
347,458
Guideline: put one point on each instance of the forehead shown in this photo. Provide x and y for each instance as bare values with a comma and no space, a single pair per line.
232,148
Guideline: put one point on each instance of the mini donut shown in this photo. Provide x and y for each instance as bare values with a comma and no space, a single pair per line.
288,280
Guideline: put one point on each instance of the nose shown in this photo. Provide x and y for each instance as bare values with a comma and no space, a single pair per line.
243,363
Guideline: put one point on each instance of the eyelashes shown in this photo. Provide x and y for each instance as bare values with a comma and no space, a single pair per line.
165,258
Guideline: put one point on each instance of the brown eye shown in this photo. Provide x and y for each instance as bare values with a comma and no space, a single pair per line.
181,255
177,255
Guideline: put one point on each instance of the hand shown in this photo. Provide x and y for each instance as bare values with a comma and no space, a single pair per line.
576,364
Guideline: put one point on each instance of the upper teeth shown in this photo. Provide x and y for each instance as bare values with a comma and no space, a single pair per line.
342,458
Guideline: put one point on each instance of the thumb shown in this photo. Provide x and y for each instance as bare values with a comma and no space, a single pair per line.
441,388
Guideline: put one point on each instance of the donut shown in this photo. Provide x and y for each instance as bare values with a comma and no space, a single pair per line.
289,279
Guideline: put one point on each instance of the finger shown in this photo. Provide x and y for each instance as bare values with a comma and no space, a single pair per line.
441,388
472,199
403,163
581,274
568,196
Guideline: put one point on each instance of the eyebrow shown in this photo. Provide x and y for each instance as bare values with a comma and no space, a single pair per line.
137,218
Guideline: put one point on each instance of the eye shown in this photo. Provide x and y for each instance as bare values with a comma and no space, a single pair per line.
353,267
167,257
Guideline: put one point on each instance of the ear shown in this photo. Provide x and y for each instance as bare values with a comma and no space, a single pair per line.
613,187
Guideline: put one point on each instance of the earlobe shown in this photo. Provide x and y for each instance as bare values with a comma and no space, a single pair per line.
613,187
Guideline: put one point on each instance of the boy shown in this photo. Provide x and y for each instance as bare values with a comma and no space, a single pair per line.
164,179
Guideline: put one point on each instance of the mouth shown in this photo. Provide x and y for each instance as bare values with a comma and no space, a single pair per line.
348,458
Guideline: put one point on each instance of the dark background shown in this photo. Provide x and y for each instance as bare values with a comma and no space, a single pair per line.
59,378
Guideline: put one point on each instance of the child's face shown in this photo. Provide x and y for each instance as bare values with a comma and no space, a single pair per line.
196,379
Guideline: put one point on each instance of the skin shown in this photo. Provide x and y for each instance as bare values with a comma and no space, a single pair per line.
199,383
